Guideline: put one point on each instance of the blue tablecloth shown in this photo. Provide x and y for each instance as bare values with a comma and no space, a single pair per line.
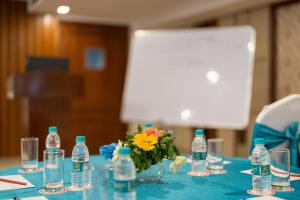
232,185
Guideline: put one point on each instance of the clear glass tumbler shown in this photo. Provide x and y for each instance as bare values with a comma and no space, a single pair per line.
280,169
215,155
98,182
29,154
53,170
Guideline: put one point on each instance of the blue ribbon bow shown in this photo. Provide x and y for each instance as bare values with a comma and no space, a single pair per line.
273,138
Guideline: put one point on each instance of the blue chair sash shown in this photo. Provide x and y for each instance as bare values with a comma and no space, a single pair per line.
274,138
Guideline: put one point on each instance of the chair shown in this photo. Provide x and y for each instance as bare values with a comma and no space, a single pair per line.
278,124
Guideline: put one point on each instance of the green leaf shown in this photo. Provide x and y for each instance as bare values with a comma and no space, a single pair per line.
139,128
165,140
163,146
170,152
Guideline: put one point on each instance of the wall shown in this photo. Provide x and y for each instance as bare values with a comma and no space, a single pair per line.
288,50
13,46
22,34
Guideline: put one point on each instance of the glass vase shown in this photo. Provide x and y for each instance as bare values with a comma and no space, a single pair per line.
154,174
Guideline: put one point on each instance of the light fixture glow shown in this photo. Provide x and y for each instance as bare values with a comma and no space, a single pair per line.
185,114
213,76
139,33
47,19
63,10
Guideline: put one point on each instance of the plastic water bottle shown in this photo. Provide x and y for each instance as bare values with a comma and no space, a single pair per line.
80,158
124,176
147,125
261,176
52,140
199,152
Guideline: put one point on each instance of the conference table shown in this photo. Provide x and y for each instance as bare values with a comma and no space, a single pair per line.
232,185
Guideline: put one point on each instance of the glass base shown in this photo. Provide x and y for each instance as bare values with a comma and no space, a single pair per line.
198,173
30,171
75,189
53,190
218,171
149,179
257,193
281,186
154,174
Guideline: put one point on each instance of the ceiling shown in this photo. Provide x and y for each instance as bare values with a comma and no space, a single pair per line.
143,13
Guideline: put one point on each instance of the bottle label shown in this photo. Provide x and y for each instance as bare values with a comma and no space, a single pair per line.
261,170
78,166
199,155
124,185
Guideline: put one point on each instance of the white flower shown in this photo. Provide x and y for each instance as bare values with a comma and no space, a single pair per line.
116,151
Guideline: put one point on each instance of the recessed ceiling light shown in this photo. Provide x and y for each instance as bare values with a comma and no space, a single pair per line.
63,10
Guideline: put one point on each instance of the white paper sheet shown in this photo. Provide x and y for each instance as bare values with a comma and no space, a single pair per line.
265,198
35,198
31,198
11,186
292,178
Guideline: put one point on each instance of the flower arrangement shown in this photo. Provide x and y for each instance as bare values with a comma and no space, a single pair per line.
149,146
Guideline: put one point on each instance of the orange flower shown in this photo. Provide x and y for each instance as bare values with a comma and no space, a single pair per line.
153,131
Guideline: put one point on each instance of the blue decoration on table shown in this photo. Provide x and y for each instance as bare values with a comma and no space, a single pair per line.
274,138
107,150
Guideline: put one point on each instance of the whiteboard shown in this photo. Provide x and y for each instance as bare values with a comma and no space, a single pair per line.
196,77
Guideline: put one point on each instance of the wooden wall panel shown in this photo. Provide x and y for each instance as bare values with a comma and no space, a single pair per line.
96,114
12,59
288,50
22,35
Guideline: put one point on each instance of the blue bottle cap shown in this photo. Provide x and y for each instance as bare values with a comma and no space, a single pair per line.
52,129
80,139
199,132
125,151
259,141
147,125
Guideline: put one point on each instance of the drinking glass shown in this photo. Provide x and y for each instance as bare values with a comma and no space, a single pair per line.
53,170
280,168
29,154
98,182
215,155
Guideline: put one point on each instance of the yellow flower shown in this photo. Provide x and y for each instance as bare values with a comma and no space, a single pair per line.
144,141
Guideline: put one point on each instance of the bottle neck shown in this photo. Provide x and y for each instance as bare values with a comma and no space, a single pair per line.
80,142
52,133
260,145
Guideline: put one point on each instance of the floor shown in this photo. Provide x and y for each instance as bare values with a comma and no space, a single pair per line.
8,162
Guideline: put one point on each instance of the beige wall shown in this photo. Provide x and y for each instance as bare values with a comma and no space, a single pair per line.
288,50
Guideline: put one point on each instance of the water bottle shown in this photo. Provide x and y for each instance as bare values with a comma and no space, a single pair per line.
52,140
124,176
199,152
80,158
147,125
261,176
